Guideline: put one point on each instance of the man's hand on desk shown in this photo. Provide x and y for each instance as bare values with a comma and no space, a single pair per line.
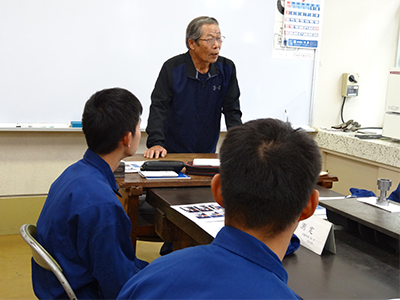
155,152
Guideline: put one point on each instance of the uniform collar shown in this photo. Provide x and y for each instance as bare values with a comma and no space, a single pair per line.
250,248
191,70
95,160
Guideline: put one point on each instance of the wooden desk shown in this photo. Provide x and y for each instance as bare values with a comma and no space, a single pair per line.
359,270
133,185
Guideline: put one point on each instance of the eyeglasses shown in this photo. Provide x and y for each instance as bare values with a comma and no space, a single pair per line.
211,41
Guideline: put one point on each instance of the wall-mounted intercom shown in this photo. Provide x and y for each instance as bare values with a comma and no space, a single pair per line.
350,84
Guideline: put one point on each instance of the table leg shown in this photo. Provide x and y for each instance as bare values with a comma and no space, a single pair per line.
130,202
169,232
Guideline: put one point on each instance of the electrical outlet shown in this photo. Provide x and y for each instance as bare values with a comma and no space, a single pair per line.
350,84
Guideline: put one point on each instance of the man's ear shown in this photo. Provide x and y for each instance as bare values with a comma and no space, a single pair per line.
126,139
312,204
216,189
192,44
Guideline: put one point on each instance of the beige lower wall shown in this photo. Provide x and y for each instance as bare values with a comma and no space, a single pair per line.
16,211
29,163
358,173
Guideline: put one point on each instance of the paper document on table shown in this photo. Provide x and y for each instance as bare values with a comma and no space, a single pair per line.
206,162
372,201
209,216
333,198
163,175
320,212
158,174
133,166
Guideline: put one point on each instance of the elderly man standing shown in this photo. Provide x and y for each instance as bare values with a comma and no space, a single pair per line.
191,92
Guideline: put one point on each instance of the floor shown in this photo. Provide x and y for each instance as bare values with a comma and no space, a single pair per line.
15,268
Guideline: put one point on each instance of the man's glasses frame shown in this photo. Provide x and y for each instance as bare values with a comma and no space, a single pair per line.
211,41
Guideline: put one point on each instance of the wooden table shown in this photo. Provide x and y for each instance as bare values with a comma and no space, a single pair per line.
359,270
133,185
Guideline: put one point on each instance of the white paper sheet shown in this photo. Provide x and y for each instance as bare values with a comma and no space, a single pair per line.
206,162
209,216
133,166
372,201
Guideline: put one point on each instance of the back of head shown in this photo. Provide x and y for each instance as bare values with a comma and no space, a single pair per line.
268,172
108,115
193,30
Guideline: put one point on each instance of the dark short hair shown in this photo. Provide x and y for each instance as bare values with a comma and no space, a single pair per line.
108,115
268,172
194,31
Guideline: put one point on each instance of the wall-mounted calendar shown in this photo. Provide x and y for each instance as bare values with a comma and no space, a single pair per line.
302,23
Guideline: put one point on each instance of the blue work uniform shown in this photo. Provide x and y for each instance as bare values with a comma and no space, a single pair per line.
235,265
186,106
85,228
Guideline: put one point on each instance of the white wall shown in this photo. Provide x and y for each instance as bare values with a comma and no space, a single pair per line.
358,36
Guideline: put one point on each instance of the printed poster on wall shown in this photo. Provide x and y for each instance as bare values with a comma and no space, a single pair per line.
302,23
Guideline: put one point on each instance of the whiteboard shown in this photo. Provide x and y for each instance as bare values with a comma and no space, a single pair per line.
55,54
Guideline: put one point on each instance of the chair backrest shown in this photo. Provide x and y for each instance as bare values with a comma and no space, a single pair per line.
44,259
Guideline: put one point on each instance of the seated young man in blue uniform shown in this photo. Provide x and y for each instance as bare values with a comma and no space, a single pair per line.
83,224
267,179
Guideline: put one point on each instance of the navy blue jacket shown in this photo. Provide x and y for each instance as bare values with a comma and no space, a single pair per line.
185,113
235,265
84,226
